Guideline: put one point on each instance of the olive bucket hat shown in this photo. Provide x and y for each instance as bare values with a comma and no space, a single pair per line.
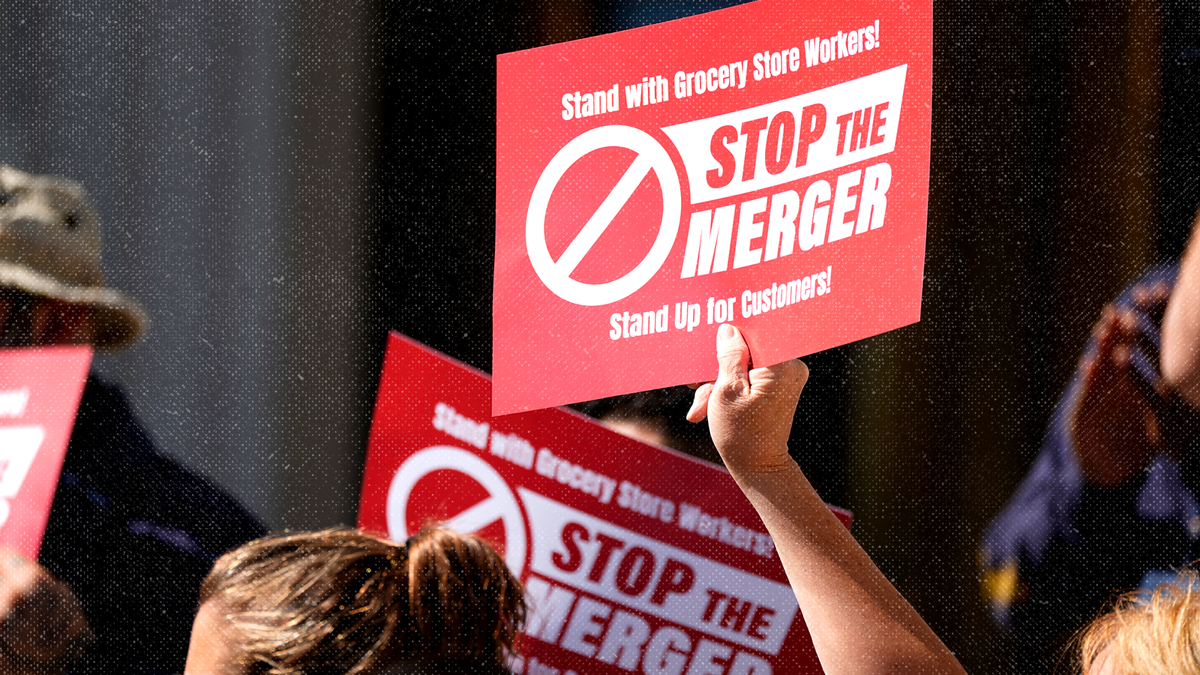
50,247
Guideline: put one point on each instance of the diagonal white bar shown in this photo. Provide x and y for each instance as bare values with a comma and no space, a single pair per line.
603,217
477,517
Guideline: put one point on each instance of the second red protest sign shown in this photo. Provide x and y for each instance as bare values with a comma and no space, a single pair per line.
635,558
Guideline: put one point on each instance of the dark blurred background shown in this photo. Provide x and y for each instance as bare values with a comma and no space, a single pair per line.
280,183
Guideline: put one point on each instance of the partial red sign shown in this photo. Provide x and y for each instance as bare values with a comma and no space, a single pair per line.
765,165
636,558
39,395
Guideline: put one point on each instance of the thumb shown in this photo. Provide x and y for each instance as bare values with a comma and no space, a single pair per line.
733,360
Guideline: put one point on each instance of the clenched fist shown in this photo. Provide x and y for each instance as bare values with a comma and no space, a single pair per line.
749,411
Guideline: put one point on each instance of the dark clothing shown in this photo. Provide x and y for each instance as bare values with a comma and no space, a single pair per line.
134,533
1061,548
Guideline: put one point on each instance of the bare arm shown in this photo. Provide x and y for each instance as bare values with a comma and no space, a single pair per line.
1181,326
860,624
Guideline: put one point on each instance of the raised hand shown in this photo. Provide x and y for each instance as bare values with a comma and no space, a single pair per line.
859,623
749,411
1124,413
1111,418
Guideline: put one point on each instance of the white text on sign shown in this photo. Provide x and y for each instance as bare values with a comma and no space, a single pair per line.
628,495
12,403
844,43
758,148
767,64
611,562
687,315
634,642
825,214
18,448
465,429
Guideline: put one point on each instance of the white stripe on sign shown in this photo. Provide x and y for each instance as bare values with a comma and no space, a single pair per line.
862,115
476,517
603,217
593,555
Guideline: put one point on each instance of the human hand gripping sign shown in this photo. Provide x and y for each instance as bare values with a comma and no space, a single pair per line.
749,411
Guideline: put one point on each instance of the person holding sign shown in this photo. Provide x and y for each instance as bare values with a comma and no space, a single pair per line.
131,532
859,622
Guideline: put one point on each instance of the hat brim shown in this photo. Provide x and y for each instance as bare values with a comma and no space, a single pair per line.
119,321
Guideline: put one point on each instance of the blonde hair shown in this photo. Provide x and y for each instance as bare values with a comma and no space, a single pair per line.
1149,634
343,601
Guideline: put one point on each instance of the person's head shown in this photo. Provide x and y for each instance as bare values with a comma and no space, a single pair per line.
51,284
1147,634
341,601
655,416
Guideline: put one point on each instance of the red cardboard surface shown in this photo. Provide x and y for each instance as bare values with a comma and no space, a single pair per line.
39,395
765,165
636,558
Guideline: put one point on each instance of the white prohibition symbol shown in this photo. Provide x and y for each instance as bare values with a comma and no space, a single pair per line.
501,504
557,275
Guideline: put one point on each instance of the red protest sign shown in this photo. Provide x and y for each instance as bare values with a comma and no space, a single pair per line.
39,394
635,558
765,165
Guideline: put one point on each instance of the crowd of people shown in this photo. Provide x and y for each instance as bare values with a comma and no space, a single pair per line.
150,568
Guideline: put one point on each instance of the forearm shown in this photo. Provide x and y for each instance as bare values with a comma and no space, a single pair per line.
860,624
1181,327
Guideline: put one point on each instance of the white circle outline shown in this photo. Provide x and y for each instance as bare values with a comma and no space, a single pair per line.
438,457
592,295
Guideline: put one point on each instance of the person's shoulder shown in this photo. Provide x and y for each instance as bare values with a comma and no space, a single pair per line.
103,394
194,489
165,498
149,486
